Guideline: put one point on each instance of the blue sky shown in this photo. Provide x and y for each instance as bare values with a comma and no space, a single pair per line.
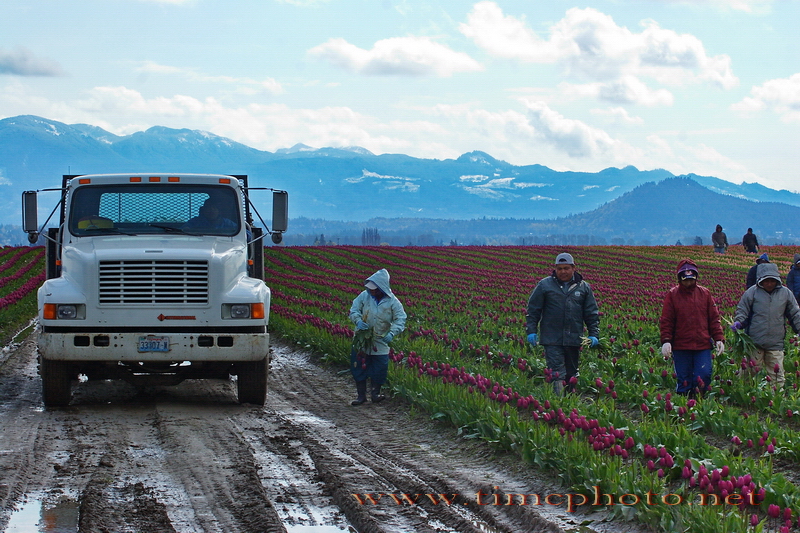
710,87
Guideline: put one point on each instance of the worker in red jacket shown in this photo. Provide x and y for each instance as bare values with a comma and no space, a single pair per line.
690,327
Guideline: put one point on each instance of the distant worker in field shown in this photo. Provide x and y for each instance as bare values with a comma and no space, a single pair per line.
793,277
762,313
379,317
751,274
750,242
689,326
719,240
559,307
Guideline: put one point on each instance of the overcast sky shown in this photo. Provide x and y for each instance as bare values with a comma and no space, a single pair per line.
710,87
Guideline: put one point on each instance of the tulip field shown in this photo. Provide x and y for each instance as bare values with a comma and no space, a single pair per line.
724,462
21,273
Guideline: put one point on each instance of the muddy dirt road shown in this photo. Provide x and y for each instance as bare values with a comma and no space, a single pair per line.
191,459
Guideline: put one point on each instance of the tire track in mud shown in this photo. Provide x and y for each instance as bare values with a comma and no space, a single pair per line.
377,448
189,458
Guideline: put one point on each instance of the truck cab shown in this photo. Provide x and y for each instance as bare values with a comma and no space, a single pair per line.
154,279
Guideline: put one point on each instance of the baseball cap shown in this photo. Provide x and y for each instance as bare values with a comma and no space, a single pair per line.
370,285
564,259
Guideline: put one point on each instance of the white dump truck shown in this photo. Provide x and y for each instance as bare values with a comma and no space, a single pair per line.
154,279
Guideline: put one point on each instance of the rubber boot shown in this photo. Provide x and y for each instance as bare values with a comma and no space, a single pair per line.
376,394
361,389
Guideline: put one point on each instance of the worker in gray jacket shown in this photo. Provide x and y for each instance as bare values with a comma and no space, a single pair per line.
559,307
762,312
376,308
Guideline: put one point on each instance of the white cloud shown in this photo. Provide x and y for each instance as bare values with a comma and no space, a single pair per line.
780,95
591,48
617,115
245,85
474,178
569,135
403,56
22,62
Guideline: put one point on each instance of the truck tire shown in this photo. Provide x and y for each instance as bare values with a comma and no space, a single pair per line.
55,383
251,381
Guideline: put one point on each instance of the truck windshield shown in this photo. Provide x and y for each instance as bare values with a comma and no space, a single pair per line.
157,208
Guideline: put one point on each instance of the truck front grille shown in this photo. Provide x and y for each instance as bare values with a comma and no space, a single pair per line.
153,282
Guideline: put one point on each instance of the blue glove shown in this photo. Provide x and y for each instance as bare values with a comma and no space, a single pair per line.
736,325
532,338
361,325
387,338
594,340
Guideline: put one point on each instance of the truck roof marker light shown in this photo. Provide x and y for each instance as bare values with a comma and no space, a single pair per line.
173,179
84,181
154,179
225,180
257,310
49,312
136,179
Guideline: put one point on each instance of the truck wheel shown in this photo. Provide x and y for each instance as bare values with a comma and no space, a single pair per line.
251,382
55,383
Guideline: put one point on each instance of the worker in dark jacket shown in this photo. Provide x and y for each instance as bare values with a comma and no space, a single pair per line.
750,242
719,240
762,312
751,274
793,277
559,307
689,325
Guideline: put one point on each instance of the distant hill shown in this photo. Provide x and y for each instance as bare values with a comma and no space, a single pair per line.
353,185
672,210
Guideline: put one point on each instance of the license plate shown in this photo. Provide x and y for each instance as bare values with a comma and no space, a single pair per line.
153,344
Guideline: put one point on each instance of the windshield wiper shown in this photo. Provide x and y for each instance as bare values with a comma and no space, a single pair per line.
171,229
115,231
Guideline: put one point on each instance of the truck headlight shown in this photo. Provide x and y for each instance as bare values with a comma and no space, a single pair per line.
67,312
240,311
64,311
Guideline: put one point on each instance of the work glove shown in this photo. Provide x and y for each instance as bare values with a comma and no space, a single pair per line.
720,347
666,349
387,338
736,325
532,338
594,340
361,325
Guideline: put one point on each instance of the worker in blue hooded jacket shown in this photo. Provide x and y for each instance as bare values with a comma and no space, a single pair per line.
375,308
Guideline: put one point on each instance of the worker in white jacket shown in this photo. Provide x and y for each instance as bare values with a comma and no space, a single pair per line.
375,308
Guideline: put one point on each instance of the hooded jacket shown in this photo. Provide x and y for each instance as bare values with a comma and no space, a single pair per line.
793,278
689,317
766,313
384,316
561,315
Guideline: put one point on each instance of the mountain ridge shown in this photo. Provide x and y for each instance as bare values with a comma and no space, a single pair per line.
346,183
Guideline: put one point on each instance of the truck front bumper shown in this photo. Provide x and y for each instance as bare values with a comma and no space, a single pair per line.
182,346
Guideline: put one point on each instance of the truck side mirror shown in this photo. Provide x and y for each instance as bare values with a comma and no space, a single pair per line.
280,211
30,220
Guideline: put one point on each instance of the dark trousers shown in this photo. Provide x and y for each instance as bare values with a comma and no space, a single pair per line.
563,363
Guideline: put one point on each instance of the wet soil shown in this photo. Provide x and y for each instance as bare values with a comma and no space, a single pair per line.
190,458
